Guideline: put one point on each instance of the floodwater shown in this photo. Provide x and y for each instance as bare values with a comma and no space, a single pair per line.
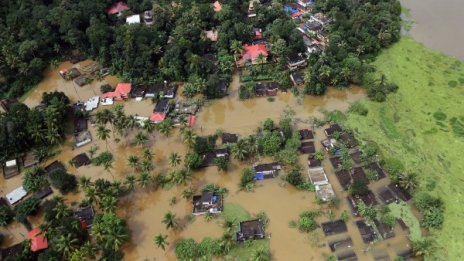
438,24
145,207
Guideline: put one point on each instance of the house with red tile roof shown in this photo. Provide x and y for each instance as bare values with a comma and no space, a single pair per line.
117,8
121,92
217,6
251,52
38,241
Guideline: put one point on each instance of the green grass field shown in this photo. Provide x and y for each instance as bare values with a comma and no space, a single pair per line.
423,125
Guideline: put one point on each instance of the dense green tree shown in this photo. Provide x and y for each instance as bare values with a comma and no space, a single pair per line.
110,231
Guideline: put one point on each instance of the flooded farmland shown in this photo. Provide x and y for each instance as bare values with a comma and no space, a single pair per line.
438,24
144,208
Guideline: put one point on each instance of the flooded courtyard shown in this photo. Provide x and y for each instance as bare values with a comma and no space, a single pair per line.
144,208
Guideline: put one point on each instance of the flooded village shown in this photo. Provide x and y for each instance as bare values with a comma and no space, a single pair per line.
305,188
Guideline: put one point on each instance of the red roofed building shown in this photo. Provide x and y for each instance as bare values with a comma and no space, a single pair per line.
157,117
217,6
121,92
117,8
251,52
38,242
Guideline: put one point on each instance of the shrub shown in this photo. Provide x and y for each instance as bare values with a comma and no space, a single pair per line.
294,178
394,168
6,215
359,188
358,108
306,223
247,91
106,88
209,247
34,179
431,208
222,163
102,159
63,181
247,179
204,144
186,249
192,161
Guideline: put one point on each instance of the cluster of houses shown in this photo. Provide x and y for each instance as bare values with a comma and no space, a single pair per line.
85,74
314,28
392,193
38,241
119,8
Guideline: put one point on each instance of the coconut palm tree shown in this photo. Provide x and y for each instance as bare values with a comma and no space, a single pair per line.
147,154
109,203
161,241
408,181
165,127
91,195
103,134
261,59
84,182
130,182
227,241
89,250
240,150
140,138
170,220
189,138
260,255
174,159
147,165
237,48
133,162
131,122
61,210
144,179
149,126
65,244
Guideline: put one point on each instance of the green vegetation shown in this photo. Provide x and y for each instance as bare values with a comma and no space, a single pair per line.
306,222
34,179
62,181
420,125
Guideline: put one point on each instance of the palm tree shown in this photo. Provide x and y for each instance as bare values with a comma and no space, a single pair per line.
84,183
147,154
149,126
170,220
237,48
147,165
227,241
65,244
133,162
89,250
165,127
91,195
189,138
140,138
61,210
103,134
408,181
174,159
109,203
260,255
240,150
180,176
161,241
144,179
261,59
130,182
131,122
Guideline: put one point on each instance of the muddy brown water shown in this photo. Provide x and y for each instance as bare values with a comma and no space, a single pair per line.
438,24
144,209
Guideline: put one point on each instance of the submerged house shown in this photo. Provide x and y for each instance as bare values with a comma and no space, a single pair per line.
38,241
81,133
313,162
184,107
250,54
295,60
266,89
251,229
208,159
121,92
85,215
160,112
43,193
10,168
133,19
137,93
229,138
92,103
162,91
16,195
334,227
317,176
148,17
307,147
267,171
207,202
70,74
117,8
80,160
297,78
30,160
334,128
367,232
306,134
55,165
